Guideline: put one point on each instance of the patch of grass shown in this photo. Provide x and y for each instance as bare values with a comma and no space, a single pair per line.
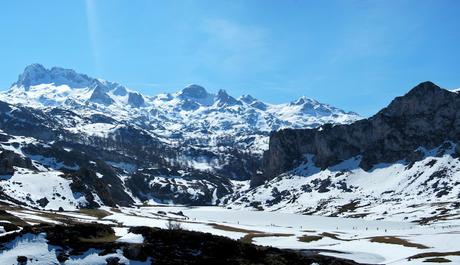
102,239
334,236
5,216
434,255
59,217
438,260
233,229
397,241
358,215
115,210
249,237
308,238
349,207
98,213
54,217
437,218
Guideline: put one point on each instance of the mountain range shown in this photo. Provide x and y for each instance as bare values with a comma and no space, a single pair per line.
104,144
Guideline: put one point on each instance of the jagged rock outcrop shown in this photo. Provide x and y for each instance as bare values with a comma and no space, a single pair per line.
100,96
9,160
136,100
426,117
224,99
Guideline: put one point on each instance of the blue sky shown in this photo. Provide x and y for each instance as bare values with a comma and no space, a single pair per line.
356,55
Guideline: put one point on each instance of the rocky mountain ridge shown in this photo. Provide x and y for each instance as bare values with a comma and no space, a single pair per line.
425,117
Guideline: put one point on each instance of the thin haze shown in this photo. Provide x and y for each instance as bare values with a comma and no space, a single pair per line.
356,55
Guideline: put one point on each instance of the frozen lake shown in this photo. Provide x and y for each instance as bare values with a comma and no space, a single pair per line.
361,240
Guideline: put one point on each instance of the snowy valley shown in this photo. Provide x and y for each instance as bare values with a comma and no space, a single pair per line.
303,176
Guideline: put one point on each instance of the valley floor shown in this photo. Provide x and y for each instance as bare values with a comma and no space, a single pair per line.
363,241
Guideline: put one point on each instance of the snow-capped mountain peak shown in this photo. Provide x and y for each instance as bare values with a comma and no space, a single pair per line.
192,113
248,99
197,94
100,95
36,74
194,91
303,100
57,86
224,99
312,107
120,91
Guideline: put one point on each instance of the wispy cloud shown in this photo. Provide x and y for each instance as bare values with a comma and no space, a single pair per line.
94,34
234,45
235,36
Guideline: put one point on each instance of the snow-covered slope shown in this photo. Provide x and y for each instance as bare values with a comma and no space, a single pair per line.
426,190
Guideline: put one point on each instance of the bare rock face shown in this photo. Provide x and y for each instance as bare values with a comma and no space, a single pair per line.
426,117
100,96
135,100
9,159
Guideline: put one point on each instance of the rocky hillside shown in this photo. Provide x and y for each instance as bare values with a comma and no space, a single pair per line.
425,117
69,140
403,157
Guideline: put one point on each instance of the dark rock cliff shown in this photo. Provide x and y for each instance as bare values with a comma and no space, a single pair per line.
426,116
